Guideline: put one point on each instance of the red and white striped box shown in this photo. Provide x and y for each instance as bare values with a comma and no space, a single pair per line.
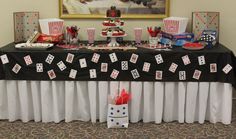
175,25
52,26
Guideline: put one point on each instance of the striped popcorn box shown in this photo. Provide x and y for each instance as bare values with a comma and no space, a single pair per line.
51,26
91,34
175,25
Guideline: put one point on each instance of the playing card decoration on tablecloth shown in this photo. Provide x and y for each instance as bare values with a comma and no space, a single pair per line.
227,68
83,63
70,58
95,58
28,60
49,59
186,60
201,60
124,65
213,68
197,74
16,68
4,59
93,73
51,74
146,66
39,67
173,67
134,58
73,73
114,74
159,75
182,75
61,65
118,115
104,67
135,74
113,57
159,59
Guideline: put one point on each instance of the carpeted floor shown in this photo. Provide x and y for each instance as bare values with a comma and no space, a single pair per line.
84,130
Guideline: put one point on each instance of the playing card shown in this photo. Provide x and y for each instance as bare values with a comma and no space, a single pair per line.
197,74
114,74
186,60
73,73
70,58
173,67
95,58
201,60
83,63
159,75
16,68
146,66
104,67
39,67
93,73
227,68
124,65
113,57
51,74
182,75
28,60
134,58
213,68
159,59
135,74
61,65
49,59
4,59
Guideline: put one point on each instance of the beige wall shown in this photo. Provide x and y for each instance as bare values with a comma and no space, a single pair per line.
49,8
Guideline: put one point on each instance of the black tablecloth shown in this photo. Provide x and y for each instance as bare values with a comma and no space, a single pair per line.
219,55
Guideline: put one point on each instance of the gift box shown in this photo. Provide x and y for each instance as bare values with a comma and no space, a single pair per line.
205,21
179,39
25,24
51,26
175,25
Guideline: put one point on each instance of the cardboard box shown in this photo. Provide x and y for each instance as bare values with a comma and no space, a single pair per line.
205,21
175,25
51,26
25,24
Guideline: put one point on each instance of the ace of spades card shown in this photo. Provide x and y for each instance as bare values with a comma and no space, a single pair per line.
197,74
39,67
135,74
186,60
16,68
95,58
70,58
51,74
114,74
146,66
28,60
4,59
159,59
133,58
104,67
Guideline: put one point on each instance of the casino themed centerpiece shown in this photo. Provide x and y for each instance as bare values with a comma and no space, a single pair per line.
113,25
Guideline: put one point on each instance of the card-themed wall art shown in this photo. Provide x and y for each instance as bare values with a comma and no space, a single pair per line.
205,21
25,24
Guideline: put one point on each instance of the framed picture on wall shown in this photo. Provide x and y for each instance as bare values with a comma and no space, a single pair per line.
128,8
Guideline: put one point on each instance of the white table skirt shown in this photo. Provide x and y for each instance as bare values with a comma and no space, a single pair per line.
53,101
